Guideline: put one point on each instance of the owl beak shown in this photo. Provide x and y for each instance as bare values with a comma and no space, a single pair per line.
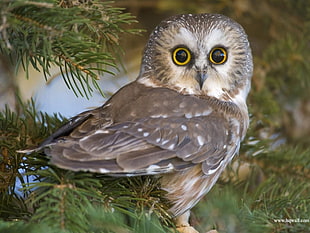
201,77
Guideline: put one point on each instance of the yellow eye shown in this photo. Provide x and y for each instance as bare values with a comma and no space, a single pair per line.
181,56
218,55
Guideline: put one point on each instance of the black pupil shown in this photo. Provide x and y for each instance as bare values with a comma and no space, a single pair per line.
181,56
218,55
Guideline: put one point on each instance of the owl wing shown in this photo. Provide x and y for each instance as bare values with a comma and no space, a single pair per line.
156,131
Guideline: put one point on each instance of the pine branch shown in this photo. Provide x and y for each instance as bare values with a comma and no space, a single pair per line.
61,194
19,131
80,37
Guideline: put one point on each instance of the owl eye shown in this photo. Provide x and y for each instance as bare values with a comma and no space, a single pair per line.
181,56
218,55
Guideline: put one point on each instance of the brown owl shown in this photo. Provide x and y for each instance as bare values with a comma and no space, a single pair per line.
183,118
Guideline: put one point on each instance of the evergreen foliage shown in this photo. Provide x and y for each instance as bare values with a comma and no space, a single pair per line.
80,37
272,196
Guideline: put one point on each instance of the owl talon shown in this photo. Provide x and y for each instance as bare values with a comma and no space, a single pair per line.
186,229
189,229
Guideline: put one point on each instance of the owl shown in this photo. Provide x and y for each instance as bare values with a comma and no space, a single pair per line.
182,119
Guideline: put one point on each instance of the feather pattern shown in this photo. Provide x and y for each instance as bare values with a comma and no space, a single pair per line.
134,140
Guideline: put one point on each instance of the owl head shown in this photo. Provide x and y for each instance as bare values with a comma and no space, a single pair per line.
203,54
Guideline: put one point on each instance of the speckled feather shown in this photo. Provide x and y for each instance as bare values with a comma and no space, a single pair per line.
182,131
165,123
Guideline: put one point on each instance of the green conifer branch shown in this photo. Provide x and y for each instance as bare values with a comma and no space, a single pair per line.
80,37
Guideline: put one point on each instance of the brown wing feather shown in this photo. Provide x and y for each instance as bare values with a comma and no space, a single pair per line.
158,130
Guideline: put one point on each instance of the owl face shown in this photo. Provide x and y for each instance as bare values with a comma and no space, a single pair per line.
204,54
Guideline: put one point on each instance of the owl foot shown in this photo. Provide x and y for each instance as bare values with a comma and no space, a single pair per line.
186,229
189,229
